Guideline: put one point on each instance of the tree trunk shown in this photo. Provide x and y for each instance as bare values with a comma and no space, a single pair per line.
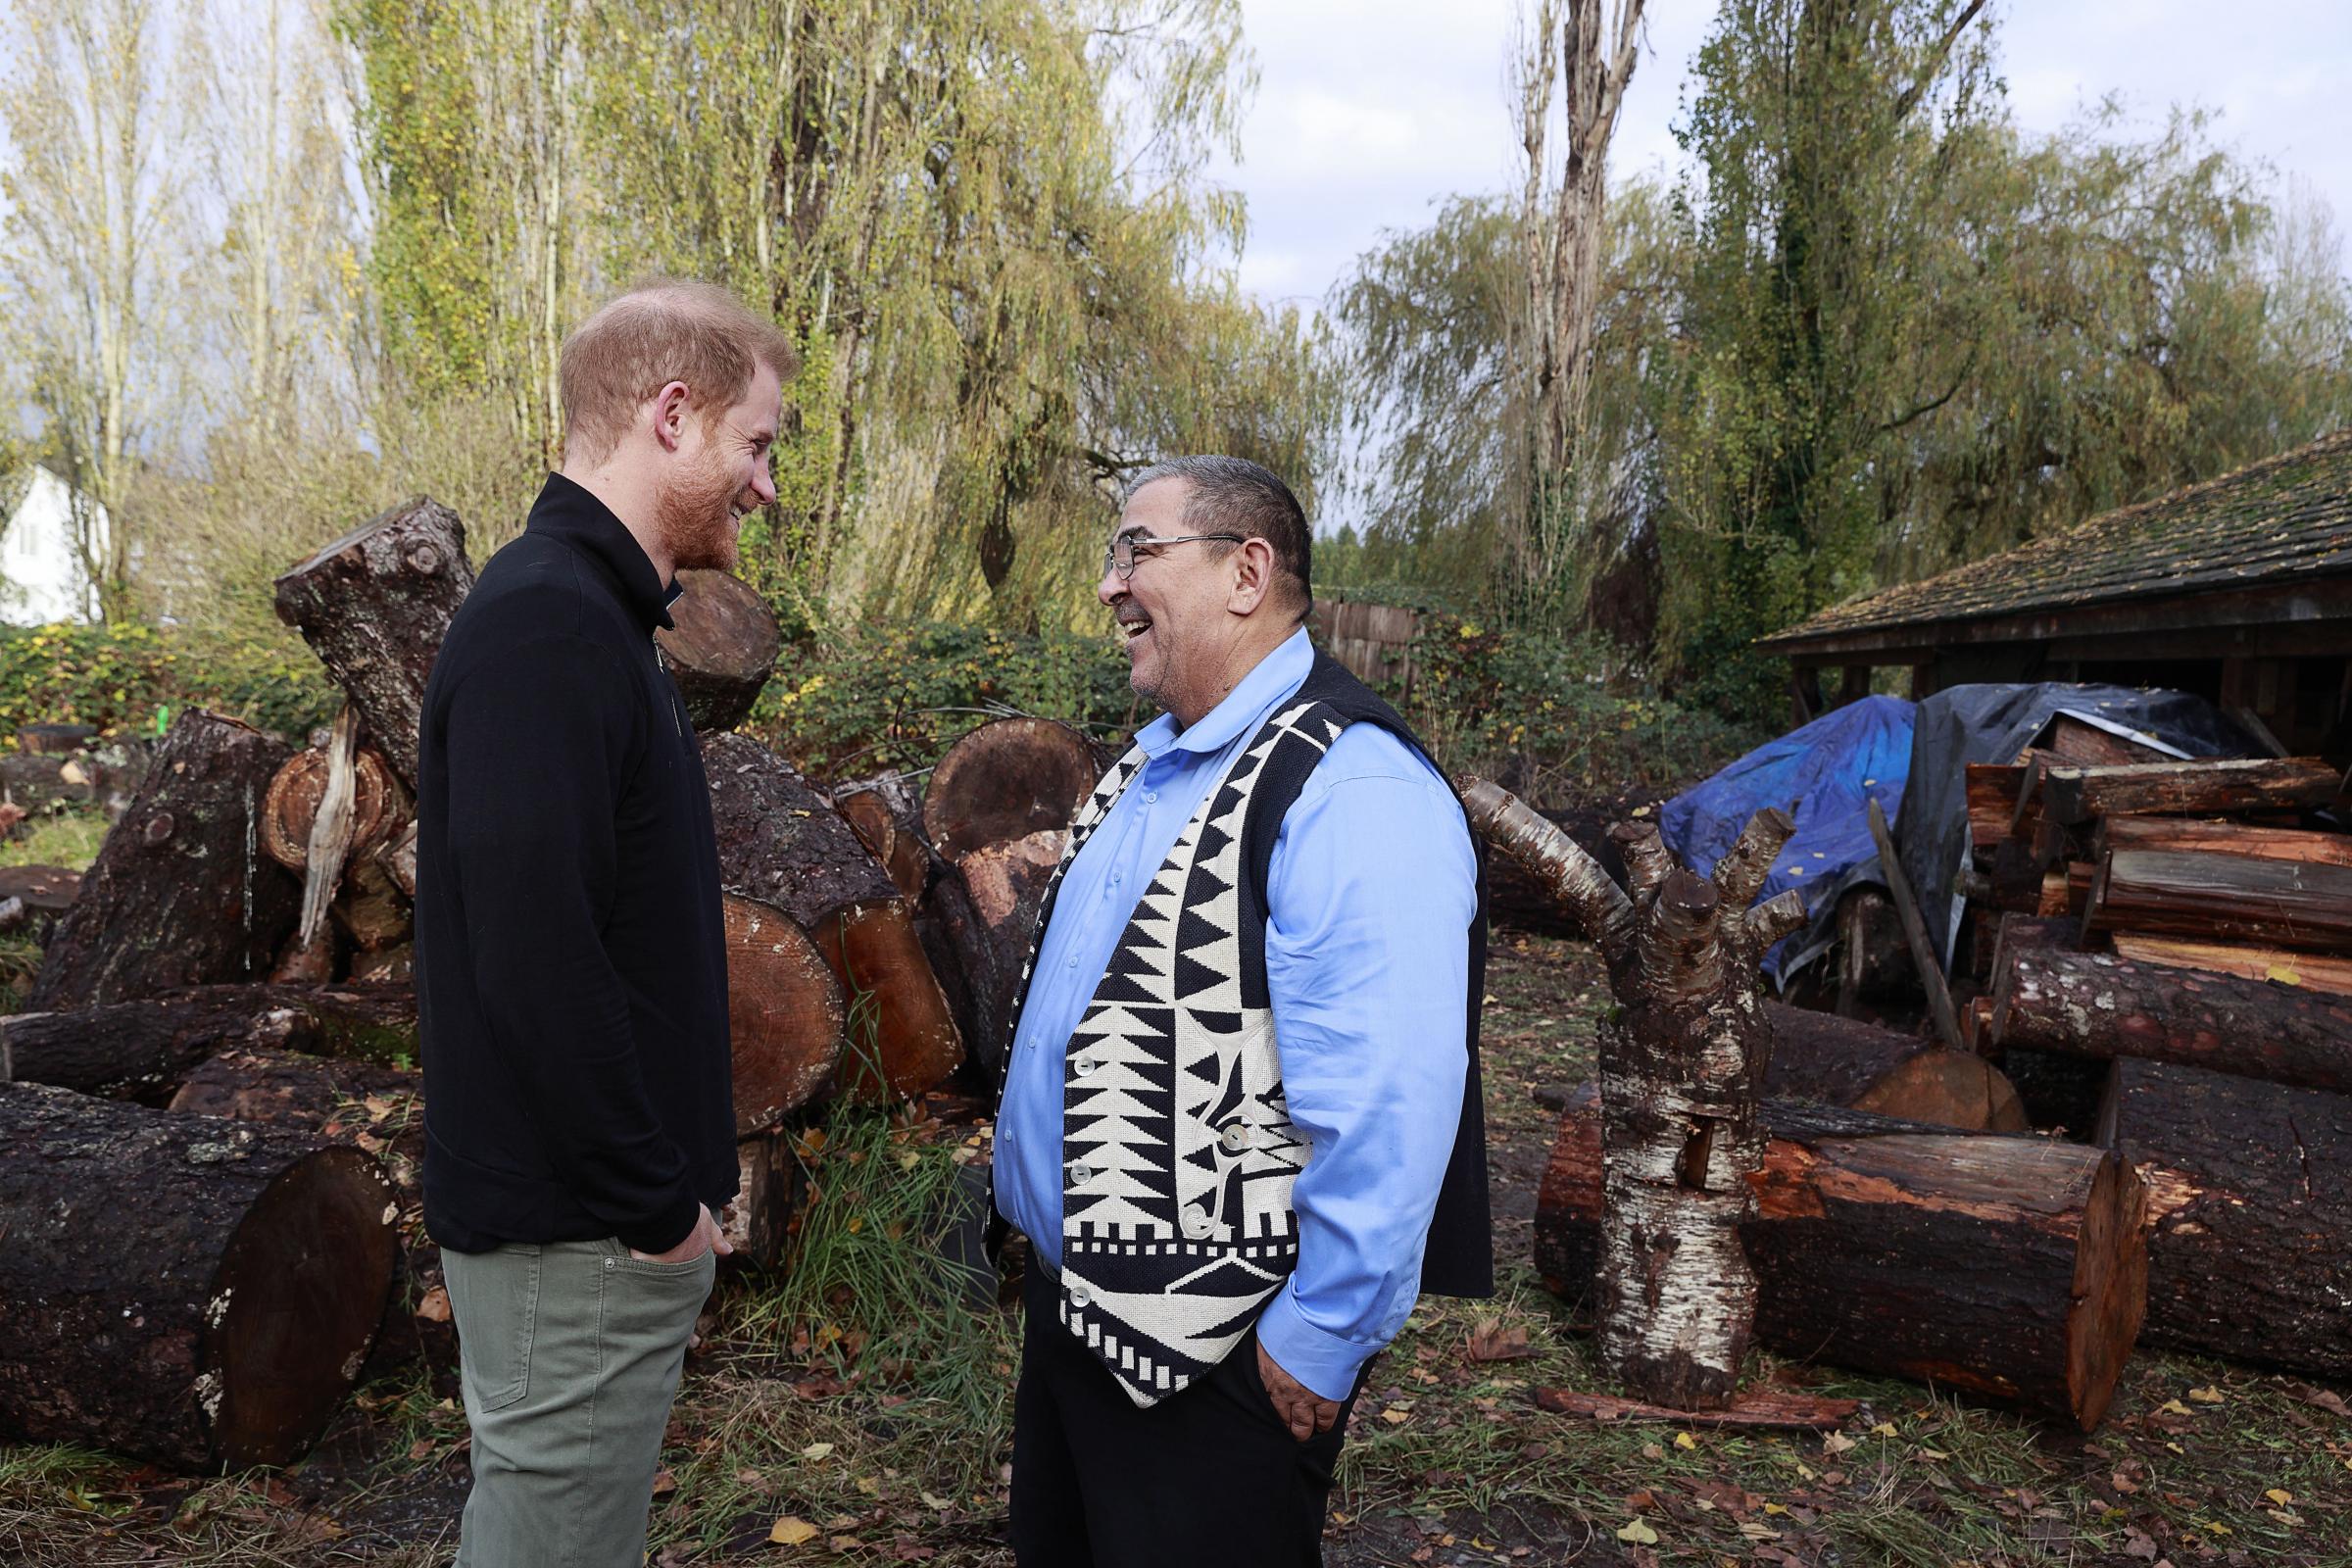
1860,1067
785,1015
182,893
721,648
779,841
2314,972
219,1318
144,1051
1681,1060
1007,779
2012,1267
2231,897
2072,795
2250,1245
375,606
2103,1004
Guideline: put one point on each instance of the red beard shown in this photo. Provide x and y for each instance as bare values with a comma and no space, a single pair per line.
697,518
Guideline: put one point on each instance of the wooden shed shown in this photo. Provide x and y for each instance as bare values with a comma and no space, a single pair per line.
2238,589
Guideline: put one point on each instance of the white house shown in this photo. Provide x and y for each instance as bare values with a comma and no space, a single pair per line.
41,579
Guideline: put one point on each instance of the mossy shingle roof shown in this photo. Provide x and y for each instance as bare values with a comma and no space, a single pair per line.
2285,517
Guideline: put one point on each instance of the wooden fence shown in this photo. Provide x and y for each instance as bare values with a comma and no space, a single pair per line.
1374,641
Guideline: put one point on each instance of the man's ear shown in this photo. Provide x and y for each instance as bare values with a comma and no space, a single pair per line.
669,409
1253,575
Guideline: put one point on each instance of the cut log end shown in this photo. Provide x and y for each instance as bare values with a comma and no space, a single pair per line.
785,1014
2111,1290
1007,779
1949,1089
378,807
901,1036
722,647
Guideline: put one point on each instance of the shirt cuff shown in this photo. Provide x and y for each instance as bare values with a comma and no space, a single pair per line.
1326,1362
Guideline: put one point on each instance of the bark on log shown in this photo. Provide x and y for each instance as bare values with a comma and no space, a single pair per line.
785,1014
218,1320
1874,959
779,841
2071,794
398,860
46,893
771,1197
2223,838
182,893
1007,779
1516,900
721,648
305,964
888,819
145,1049
370,908
1005,887
2250,1242
2011,1267
2103,1005
2313,971
1994,790
1860,1067
379,807
375,606
2187,893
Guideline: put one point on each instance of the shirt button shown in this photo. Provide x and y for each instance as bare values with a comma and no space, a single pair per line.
1197,1224
1150,797
1235,1138
1073,964
1007,1133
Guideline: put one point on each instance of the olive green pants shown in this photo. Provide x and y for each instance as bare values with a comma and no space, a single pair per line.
570,1354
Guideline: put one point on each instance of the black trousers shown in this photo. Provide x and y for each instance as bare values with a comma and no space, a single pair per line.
1209,1475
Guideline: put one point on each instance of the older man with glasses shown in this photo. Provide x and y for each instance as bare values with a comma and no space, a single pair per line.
1240,1118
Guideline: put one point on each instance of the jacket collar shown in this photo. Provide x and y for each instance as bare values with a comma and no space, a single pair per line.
1269,681
566,511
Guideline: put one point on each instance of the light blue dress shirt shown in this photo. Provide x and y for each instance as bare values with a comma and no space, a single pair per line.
1370,894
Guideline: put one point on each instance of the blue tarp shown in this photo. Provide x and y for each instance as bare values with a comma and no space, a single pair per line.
1822,775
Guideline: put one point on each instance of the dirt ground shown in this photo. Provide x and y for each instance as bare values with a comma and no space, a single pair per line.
819,1449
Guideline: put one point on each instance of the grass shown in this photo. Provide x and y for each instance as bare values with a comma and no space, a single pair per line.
864,1397
69,839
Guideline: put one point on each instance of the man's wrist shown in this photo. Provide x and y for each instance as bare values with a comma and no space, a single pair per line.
1324,1363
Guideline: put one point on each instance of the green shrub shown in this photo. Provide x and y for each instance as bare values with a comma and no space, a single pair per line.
126,676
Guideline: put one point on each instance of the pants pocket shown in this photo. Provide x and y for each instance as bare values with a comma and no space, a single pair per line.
494,1297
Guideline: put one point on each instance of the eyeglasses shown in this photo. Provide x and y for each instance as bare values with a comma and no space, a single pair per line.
1120,557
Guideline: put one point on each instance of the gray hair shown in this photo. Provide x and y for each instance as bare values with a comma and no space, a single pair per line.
1233,495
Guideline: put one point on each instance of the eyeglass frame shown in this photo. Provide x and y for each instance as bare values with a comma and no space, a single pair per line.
1110,552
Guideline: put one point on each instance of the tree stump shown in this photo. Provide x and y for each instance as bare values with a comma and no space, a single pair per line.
1007,779
785,1015
1860,1067
780,842
2012,1267
216,1321
1682,1063
379,807
375,606
145,1049
2101,1005
2250,1210
720,649
182,893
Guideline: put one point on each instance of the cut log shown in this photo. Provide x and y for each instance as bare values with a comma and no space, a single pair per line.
145,1049
370,908
379,807
1874,956
2251,1183
2104,1005
888,820
785,1016
771,1197
182,893
2074,793
55,740
1839,1061
2065,893
1515,898
2067,739
779,842
2231,897
219,1319
1009,778
1006,885
2223,838
375,606
2313,971
398,860
395,965
39,783
2011,1267
305,964
1994,790
720,649
45,892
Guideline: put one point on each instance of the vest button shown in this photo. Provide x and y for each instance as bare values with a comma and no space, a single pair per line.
1235,1138
1081,1298
1080,1175
1197,1224
1086,1065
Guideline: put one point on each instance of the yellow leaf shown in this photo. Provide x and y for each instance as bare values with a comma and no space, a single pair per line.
792,1531
817,1450
1395,1418
2219,1527
2207,1396
1756,1530
2176,1407
1684,1439
2279,1496
2282,974
1774,1508
1640,1534
941,1504
1884,1429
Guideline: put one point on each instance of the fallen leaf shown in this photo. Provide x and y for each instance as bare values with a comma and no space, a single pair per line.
817,1450
2176,1407
2279,1496
1493,1342
2206,1395
419,1448
1835,1443
434,1308
791,1531
1684,1439
1639,1533
1395,1418
845,1543
665,1483
941,1504
1758,1529
1884,1429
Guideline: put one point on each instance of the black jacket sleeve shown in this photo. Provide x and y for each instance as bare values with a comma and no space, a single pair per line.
540,740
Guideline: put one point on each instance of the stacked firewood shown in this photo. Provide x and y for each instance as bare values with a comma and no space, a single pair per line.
2178,989
224,1023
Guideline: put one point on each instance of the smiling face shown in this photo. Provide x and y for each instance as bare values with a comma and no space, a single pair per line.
721,477
1187,613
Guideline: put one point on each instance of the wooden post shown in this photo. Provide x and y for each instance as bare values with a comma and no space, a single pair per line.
1853,684
1915,931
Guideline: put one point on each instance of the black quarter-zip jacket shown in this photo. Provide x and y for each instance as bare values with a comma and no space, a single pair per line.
571,968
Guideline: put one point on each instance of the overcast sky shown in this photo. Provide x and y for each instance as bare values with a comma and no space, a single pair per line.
1368,112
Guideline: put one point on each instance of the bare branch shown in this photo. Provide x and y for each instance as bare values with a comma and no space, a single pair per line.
1553,858
1748,861
1934,65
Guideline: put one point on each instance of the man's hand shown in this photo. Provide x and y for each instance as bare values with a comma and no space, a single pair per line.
1305,1412
706,1237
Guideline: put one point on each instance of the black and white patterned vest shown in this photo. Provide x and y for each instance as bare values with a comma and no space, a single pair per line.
1178,1150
